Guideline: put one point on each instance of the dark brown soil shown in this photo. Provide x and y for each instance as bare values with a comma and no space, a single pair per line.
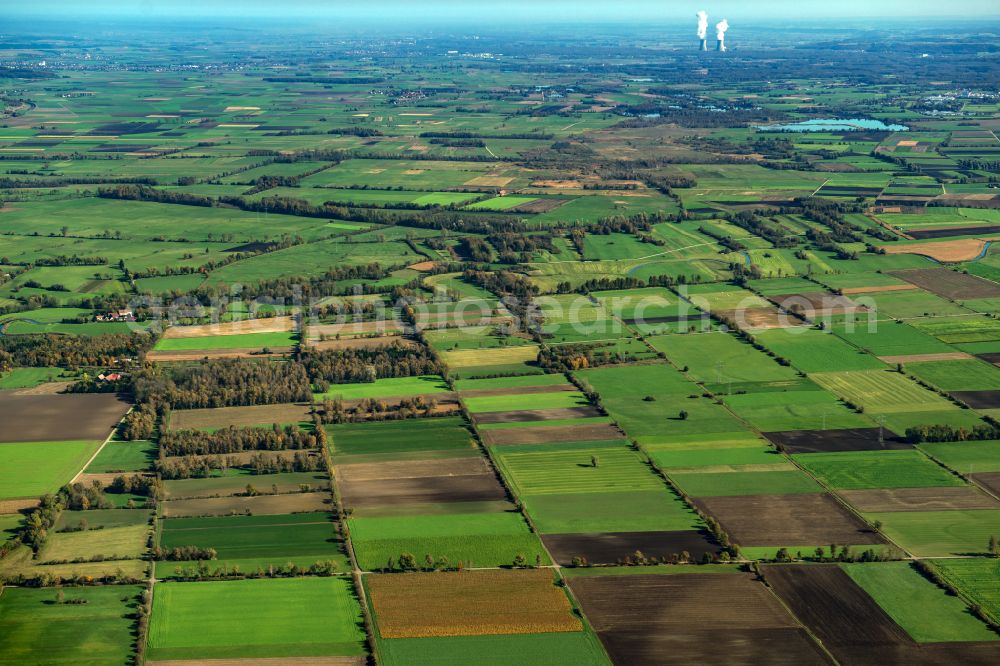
947,232
382,492
833,441
838,612
978,399
520,390
615,547
52,418
537,415
988,480
919,499
549,434
782,520
949,284
773,647
683,618
854,628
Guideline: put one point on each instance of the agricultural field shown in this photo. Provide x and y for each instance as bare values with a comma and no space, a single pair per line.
334,342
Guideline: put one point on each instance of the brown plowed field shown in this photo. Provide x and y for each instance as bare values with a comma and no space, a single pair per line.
537,415
696,645
949,284
262,505
52,418
549,434
854,628
833,441
183,419
978,399
684,618
614,547
988,480
776,520
919,499
469,603
522,390
842,615
383,492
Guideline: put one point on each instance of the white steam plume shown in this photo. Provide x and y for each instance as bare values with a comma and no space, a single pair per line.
702,24
721,28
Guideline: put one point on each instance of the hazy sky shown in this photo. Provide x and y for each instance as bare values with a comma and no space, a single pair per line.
575,10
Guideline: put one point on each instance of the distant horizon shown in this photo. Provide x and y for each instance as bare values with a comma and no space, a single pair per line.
568,11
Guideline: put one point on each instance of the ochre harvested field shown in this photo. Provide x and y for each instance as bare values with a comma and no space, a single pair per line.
383,327
405,491
918,358
13,506
950,284
615,547
680,618
186,419
551,434
877,289
52,418
964,249
469,603
919,499
269,325
518,390
198,354
787,520
360,343
261,505
833,441
526,415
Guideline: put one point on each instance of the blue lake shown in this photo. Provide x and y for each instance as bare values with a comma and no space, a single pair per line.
834,125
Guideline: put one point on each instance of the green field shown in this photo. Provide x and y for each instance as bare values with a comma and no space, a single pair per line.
877,469
570,649
924,610
34,629
244,341
979,580
295,617
252,541
423,435
618,511
396,387
35,468
123,457
474,539
940,533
